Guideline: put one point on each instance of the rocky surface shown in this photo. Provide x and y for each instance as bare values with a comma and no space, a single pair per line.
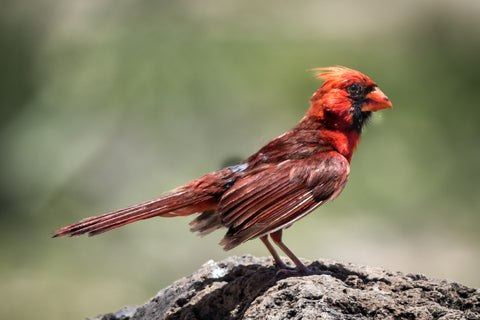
252,288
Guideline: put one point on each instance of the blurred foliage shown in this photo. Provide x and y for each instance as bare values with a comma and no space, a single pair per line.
108,103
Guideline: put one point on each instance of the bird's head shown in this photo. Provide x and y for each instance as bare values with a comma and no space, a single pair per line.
346,99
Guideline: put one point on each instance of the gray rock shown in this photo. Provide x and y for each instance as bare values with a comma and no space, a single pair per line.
252,288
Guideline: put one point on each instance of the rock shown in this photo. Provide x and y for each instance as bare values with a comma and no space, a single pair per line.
252,288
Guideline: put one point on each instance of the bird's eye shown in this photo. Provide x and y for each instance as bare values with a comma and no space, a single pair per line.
355,90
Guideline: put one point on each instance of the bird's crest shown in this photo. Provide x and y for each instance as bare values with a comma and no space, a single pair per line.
338,73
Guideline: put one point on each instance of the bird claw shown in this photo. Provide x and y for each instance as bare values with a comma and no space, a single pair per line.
285,271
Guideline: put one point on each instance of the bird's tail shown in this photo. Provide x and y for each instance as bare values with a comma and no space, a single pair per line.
181,203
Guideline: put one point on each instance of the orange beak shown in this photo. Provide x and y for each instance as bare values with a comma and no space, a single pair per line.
376,100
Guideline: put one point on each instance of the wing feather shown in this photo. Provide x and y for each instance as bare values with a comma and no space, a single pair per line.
276,195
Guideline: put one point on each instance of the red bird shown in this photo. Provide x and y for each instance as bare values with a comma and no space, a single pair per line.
284,181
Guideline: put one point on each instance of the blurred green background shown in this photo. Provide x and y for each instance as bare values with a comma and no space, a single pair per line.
109,103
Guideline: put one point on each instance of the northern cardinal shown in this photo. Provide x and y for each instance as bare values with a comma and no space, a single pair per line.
284,181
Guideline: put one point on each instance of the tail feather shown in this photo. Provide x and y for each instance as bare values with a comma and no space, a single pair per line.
181,203
206,223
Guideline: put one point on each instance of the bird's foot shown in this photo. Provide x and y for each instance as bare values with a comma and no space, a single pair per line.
289,272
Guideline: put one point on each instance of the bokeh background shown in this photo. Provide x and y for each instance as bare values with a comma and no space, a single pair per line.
108,103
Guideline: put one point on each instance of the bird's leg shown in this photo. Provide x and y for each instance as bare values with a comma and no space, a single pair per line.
277,238
274,253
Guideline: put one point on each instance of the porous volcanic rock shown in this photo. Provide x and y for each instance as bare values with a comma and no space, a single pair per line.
252,288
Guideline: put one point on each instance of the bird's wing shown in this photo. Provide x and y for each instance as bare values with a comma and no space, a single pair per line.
273,196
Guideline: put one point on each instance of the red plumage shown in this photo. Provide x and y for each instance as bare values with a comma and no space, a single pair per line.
284,181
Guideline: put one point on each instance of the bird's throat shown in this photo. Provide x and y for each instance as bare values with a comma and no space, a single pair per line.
344,142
